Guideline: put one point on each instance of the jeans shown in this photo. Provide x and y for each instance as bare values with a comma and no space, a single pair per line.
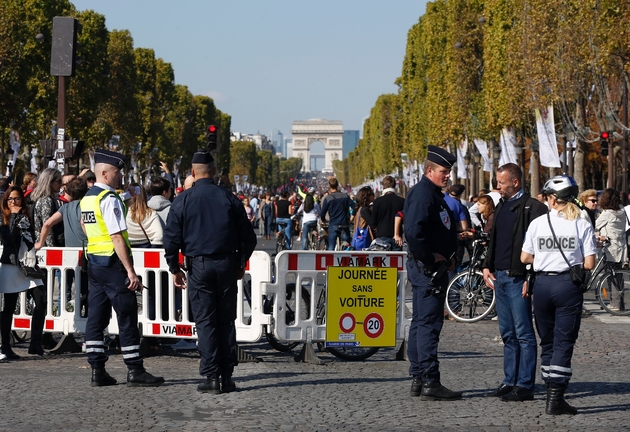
517,331
287,229
306,226
335,231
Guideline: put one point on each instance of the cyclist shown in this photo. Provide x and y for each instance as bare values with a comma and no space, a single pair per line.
554,243
284,210
310,210
337,205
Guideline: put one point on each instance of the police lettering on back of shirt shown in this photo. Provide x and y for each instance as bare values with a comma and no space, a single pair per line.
539,241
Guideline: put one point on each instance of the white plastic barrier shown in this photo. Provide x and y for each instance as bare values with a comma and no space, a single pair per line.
301,278
169,319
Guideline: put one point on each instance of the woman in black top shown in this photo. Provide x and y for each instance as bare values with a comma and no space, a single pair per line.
284,210
16,227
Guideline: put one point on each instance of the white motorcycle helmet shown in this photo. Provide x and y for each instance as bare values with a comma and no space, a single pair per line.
563,187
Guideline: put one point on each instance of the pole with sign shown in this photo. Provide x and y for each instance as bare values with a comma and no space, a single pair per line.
361,307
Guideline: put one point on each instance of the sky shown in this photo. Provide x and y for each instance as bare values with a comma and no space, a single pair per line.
268,63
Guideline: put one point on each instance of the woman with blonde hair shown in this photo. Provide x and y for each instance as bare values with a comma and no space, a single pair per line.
144,226
560,246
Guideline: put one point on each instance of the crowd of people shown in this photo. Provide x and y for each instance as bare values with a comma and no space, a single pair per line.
87,211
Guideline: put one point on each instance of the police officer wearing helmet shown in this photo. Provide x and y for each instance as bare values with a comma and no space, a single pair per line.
432,241
112,279
210,227
557,300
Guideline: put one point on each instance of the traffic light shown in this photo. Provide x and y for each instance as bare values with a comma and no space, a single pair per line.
291,180
64,46
603,142
211,137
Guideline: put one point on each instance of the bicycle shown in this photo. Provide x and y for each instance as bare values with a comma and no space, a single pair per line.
281,238
312,238
468,299
612,285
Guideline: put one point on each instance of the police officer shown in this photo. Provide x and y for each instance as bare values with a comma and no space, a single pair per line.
432,241
557,300
210,227
112,279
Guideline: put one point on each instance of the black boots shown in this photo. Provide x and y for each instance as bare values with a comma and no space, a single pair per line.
101,378
37,330
432,391
142,378
227,384
211,385
556,404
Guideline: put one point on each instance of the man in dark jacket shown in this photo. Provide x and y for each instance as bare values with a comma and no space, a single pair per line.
337,206
384,211
505,273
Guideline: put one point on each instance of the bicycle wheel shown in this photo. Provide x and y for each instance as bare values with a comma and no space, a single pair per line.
353,353
278,345
289,317
280,244
468,299
312,241
323,243
613,292
20,336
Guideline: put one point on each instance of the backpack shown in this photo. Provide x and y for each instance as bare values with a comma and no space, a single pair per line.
362,237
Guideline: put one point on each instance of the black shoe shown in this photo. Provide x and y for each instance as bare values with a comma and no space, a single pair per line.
502,390
556,405
436,391
519,394
227,384
211,385
416,387
8,352
142,378
101,378
36,348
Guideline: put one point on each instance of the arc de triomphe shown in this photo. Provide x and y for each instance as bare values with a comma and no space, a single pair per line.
306,132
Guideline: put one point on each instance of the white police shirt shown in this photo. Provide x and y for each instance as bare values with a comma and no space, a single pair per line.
112,211
576,239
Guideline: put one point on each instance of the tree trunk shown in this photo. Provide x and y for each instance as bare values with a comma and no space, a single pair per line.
578,161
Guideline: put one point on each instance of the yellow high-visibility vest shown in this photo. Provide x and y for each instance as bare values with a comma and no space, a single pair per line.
99,241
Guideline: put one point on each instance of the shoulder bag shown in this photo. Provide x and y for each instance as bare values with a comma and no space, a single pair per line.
26,259
578,274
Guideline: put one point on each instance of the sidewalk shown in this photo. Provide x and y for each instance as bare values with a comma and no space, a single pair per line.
53,393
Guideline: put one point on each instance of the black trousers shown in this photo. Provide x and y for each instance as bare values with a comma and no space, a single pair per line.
212,292
107,289
558,313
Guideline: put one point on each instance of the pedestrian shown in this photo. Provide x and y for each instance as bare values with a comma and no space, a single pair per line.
209,226
611,224
145,228
555,244
384,210
70,215
161,193
587,201
431,243
310,210
267,215
284,211
452,197
28,183
112,279
15,229
337,206
504,272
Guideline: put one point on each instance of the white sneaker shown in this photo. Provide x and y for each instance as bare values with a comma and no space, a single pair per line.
299,239
183,345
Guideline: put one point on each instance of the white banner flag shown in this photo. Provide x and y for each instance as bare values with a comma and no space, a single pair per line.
547,144
462,149
482,146
507,143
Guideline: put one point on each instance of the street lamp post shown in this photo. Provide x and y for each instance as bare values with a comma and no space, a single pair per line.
467,166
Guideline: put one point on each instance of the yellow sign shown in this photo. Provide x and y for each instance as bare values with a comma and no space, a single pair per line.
361,307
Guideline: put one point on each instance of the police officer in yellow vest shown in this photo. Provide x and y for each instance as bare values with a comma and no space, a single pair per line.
112,279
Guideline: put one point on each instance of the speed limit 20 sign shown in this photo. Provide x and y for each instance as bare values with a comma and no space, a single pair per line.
361,306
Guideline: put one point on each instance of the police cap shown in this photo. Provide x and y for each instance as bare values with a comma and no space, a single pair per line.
440,156
110,158
202,156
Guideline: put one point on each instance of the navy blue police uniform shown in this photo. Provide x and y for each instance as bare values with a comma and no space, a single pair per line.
429,229
103,215
210,227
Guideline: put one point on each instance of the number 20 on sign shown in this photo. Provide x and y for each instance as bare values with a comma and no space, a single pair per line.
361,307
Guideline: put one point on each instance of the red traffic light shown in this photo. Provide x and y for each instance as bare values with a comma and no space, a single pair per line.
291,179
212,128
604,135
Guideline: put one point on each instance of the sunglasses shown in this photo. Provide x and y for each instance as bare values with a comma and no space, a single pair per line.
593,200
